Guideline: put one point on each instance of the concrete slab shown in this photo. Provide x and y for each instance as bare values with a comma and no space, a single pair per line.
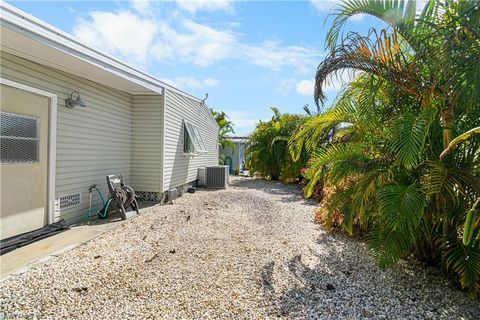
22,258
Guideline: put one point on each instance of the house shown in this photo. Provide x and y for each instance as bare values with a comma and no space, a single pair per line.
70,115
234,157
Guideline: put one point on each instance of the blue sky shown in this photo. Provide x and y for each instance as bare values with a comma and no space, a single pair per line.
248,55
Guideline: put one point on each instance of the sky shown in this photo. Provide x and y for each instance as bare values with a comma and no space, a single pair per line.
247,55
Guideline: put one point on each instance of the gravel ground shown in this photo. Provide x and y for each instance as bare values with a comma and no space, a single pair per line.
250,251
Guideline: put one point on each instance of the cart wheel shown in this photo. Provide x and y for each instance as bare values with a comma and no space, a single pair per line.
129,193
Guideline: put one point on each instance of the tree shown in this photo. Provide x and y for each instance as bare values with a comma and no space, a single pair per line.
382,139
267,151
226,127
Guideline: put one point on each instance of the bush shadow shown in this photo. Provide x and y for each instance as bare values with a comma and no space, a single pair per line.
345,282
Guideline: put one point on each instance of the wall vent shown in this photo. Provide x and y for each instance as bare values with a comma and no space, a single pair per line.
68,201
150,196
216,177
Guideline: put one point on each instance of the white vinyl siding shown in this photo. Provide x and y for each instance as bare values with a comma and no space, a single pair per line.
147,114
117,133
92,142
179,168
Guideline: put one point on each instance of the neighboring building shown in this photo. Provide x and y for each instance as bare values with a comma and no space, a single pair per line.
128,123
235,157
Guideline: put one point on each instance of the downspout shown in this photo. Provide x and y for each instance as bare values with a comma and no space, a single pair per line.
206,97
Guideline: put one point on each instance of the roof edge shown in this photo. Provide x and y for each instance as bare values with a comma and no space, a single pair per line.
22,22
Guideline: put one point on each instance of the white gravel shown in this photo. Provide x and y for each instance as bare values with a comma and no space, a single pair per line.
250,251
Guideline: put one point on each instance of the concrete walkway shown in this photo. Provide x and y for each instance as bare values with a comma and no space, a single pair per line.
23,258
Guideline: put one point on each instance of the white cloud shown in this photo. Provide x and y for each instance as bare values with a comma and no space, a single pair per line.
196,43
210,82
305,87
142,6
328,6
234,25
332,83
118,33
337,81
286,85
142,37
193,6
204,45
191,82
274,56
324,6
243,121
358,17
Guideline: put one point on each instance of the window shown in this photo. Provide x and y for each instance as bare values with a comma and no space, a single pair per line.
19,138
192,139
187,141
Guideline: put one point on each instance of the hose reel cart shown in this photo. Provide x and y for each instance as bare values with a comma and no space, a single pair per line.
120,197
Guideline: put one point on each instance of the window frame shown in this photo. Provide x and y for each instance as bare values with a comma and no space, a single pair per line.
193,142
18,137
188,147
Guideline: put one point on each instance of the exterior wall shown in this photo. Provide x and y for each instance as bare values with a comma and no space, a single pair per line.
117,133
178,168
147,139
92,142
235,154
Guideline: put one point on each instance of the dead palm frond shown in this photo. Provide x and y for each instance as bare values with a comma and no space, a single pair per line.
376,54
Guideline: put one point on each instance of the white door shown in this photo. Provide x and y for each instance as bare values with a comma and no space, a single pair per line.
24,122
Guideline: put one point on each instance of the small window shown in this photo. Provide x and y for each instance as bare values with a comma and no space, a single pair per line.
192,139
19,138
187,141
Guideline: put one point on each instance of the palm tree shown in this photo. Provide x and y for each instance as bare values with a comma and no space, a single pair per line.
381,141
435,55
226,127
267,151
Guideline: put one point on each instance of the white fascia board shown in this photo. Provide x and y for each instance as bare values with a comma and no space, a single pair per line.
21,22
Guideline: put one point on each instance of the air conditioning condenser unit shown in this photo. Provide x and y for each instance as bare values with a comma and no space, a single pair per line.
216,177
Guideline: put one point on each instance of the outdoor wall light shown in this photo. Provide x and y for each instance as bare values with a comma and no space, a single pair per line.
74,101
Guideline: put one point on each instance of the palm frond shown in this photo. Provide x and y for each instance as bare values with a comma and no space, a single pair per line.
400,15
465,261
341,160
449,184
379,55
411,132
366,189
315,130
387,246
464,137
401,207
